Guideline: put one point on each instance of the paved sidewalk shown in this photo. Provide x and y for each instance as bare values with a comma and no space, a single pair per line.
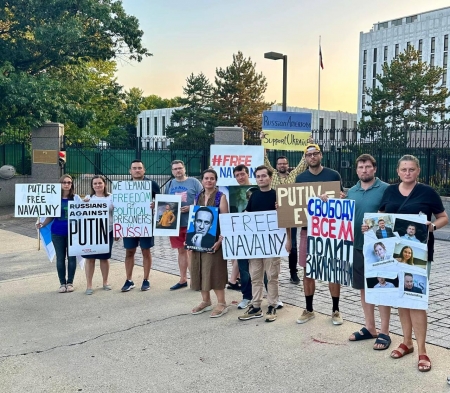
165,260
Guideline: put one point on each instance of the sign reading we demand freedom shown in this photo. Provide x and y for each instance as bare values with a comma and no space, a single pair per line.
225,157
38,200
132,213
329,255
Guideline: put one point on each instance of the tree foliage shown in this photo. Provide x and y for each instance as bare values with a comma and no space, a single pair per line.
239,94
194,121
410,93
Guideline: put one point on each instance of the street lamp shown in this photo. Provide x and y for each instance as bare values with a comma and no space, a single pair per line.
280,56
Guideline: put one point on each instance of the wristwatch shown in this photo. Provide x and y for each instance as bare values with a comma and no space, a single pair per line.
434,227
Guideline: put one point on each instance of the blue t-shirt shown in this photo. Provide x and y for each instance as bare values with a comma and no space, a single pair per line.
60,225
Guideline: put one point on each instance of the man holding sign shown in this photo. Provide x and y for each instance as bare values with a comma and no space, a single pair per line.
316,173
264,199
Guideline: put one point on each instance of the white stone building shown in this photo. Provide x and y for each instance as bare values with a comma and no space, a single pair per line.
427,32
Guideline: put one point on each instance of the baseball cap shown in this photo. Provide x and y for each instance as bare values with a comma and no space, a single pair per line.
311,146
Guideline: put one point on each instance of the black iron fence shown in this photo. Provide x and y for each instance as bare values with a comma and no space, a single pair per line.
15,150
340,149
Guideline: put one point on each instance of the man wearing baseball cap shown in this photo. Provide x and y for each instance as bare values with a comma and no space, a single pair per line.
316,173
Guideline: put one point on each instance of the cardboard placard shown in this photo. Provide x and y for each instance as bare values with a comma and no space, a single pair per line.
38,200
292,200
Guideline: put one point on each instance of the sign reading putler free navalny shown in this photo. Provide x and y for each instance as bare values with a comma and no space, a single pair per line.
329,255
38,200
286,130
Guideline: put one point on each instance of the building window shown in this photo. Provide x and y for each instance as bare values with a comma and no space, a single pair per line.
364,87
147,131
375,52
365,57
354,133
374,71
364,72
374,83
163,125
444,78
332,134
444,64
344,135
397,22
410,19
363,102
140,127
156,125
385,55
344,124
321,123
396,50
383,25
433,44
445,42
408,45
432,60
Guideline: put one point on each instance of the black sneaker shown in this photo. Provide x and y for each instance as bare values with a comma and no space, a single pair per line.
235,287
294,279
127,286
251,313
145,285
271,314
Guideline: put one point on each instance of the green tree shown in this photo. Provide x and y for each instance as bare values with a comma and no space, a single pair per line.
156,102
194,122
239,94
410,94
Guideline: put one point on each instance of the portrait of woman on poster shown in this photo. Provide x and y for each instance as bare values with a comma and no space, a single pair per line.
406,256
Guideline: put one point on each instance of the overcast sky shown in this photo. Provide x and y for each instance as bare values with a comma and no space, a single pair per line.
193,36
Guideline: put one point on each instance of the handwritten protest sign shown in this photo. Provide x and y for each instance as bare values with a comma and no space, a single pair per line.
395,260
293,199
252,235
286,130
202,228
132,213
224,158
88,228
167,215
38,200
329,255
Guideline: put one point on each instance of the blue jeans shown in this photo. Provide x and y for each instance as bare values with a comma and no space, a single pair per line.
246,281
61,249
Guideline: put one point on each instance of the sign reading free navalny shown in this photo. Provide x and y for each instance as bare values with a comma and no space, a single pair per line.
286,130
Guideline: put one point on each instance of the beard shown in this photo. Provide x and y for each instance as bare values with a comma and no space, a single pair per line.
367,178
282,170
317,164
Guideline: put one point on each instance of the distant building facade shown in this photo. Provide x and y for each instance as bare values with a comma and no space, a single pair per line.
427,32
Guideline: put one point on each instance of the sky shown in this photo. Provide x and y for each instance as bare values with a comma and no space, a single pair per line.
193,36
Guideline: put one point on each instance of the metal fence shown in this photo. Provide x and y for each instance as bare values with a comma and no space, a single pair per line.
15,150
340,149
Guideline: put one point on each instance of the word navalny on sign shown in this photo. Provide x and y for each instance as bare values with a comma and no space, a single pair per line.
252,235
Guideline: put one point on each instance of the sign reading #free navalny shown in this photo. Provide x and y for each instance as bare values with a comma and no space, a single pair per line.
329,255
286,130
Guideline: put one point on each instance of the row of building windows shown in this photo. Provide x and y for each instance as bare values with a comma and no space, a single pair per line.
155,123
397,22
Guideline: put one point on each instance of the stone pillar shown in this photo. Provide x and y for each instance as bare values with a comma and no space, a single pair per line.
46,143
228,136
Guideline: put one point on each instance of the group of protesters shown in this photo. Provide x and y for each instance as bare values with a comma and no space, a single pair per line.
208,270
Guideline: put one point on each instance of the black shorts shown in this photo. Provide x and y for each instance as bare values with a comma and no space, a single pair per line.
358,269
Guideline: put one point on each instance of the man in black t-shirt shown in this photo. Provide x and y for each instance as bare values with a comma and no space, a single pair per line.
316,173
264,199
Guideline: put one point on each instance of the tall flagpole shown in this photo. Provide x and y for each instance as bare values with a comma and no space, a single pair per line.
318,105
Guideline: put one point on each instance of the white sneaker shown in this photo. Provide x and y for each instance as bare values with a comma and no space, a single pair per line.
279,305
244,304
336,318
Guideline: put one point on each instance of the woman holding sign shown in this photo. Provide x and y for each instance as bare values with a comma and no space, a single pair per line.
411,197
209,270
60,236
99,193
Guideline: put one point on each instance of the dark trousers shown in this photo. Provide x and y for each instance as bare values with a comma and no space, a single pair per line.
246,281
293,256
61,249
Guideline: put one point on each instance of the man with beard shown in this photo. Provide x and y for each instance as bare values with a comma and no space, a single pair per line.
367,194
316,173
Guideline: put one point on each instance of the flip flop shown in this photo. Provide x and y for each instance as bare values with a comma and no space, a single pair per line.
404,348
366,335
422,359
383,339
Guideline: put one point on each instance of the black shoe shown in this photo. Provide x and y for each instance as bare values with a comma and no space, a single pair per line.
178,286
235,287
271,314
294,279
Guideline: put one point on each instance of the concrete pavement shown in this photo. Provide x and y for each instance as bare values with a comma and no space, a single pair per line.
112,341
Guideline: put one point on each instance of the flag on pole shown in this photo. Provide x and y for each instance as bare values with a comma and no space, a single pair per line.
320,57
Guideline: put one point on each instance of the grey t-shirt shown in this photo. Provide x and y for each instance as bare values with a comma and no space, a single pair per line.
188,189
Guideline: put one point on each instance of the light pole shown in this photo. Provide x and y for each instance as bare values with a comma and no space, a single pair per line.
280,56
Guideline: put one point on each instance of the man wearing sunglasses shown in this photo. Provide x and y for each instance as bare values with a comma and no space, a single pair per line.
316,173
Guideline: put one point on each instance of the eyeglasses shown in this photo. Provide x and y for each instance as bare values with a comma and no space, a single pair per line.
66,182
309,155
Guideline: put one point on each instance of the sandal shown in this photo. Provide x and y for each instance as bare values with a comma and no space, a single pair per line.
202,307
396,354
422,366
62,289
384,340
219,310
363,334
69,287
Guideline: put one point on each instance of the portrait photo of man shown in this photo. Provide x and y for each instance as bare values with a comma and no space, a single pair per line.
199,236
383,231
409,284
